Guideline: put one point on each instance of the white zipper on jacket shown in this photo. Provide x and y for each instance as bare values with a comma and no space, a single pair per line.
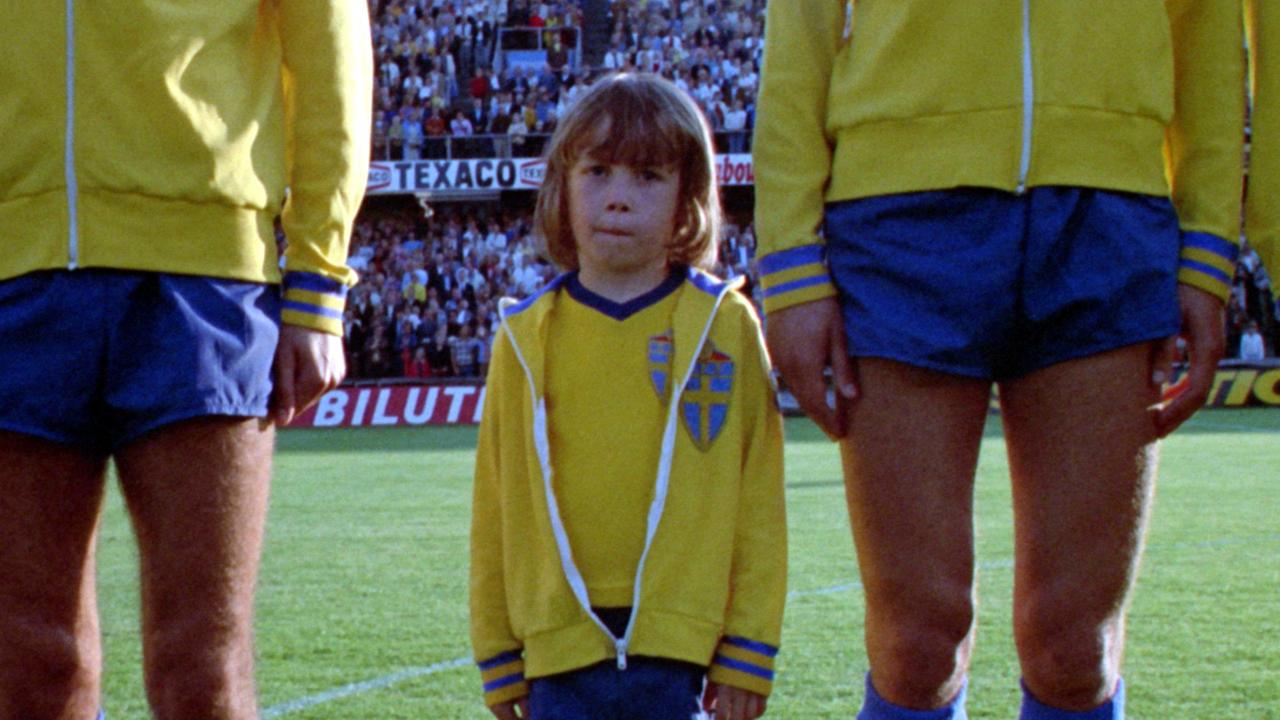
69,148
662,484
1028,98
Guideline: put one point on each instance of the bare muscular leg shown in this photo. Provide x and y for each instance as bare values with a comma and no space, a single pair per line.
1083,458
50,652
197,492
909,462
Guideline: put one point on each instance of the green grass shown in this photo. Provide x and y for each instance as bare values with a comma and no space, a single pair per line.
364,581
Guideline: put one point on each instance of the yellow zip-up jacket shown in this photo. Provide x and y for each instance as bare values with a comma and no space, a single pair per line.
161,136
870,97
713,583
1262,209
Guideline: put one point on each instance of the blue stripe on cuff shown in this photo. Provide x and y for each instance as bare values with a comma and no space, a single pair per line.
311,309
503,682
312,282
795,285
754,646
496,660
787,259
745,667
1209,270
1212,243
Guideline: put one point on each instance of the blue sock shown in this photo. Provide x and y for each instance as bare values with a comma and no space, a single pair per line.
102,715
1112,709
875,707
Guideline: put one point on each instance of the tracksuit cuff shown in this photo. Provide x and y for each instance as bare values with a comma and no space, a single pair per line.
503,678
794,276
744,663
313,301
1208,262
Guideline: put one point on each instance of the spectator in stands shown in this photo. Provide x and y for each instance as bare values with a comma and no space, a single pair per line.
1252,348
418,367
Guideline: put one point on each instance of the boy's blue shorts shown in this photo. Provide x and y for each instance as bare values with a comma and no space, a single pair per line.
649,689
987,284
97,358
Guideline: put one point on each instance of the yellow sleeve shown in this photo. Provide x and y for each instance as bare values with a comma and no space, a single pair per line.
328,83
791,151
1205,142
497,652
753,626
1262,206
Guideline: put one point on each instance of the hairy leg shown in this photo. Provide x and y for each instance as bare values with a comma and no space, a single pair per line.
197,492
1082,454
50,651
909,461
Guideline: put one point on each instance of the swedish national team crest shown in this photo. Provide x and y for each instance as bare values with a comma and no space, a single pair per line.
705,402
660,364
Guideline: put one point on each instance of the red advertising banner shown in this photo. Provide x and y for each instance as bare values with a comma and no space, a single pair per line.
393,405
459,404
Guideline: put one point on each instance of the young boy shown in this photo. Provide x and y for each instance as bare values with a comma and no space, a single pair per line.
628,531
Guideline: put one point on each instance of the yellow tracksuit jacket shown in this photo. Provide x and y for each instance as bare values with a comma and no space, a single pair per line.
870,97
712,587
161,136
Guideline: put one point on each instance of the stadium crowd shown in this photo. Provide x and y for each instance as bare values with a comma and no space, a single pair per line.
490,77
448,86
426,304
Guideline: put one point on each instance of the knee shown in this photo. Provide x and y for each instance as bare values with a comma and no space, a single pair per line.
191,672
1070,656
46,669
922,651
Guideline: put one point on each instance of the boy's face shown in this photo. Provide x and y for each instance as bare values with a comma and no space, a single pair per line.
622,218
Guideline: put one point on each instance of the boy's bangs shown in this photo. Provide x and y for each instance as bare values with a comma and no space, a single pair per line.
634,134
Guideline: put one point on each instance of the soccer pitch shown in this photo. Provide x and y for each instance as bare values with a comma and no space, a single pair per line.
362,600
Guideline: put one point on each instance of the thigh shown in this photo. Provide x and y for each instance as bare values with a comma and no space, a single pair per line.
909,462
197,493
1082,455
50,496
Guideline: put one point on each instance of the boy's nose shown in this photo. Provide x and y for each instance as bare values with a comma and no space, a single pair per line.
617,198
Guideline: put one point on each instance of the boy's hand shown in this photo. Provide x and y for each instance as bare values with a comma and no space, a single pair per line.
804,340
731,703
512,709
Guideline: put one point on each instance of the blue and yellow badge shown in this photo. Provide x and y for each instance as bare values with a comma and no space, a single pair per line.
660,363
705,402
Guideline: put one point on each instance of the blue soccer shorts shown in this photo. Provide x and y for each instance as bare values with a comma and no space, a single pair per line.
649,689
97,358
988,284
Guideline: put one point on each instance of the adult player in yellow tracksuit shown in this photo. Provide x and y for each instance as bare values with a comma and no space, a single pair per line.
1262,209
148,148
1029,193
628,532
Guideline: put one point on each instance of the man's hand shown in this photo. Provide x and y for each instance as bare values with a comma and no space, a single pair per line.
730,703
512,709
1202,328
803,341
308,364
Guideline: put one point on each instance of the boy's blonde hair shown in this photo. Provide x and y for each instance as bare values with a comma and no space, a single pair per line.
637,120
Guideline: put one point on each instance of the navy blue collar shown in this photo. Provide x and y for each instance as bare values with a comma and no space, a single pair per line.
622,311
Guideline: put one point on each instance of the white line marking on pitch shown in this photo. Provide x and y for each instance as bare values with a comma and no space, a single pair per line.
356,688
